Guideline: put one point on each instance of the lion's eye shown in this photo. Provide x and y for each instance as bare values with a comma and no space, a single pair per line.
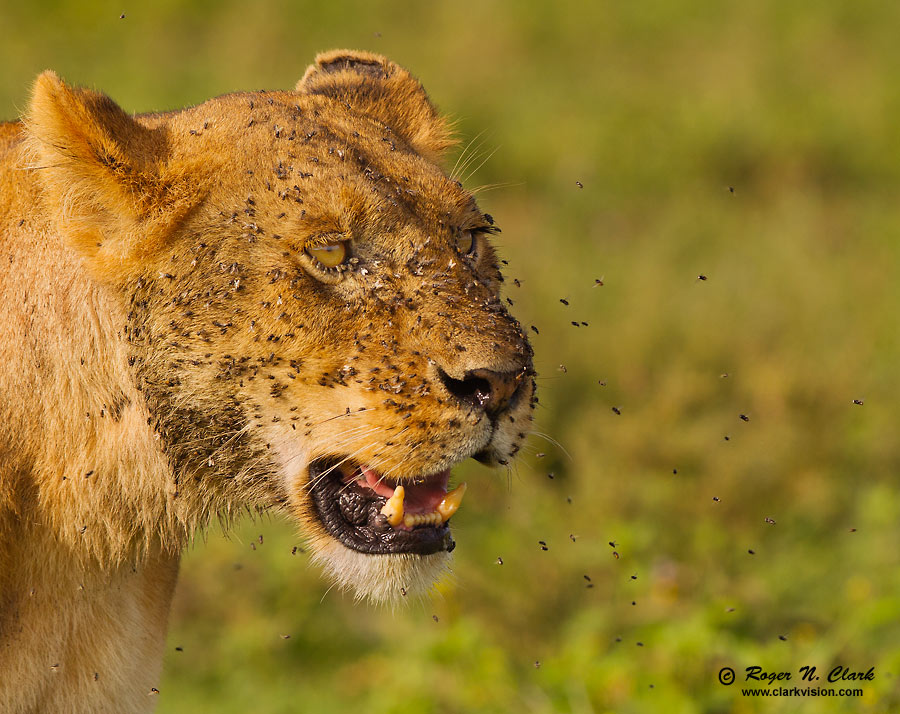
465,242
330,254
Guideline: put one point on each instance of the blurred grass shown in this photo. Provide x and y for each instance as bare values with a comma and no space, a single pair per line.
658,109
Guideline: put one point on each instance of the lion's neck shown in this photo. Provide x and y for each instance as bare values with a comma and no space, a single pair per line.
76,448
78,637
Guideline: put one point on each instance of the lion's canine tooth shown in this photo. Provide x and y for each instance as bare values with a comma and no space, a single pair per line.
393,509
451,502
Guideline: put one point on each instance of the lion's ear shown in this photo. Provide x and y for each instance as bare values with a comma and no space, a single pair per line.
377,87
106,178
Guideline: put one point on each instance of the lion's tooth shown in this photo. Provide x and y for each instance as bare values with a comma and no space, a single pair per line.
411,520
393,509
451,502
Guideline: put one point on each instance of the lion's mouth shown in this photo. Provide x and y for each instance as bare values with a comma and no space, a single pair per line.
371,513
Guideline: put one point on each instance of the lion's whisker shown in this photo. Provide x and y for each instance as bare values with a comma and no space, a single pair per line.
465,151
484,161
550,439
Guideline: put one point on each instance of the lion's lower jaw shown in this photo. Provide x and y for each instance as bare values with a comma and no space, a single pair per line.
380,578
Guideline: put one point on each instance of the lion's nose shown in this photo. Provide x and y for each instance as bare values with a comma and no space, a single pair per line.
484,388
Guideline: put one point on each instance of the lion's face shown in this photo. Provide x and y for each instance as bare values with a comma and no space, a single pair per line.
323,331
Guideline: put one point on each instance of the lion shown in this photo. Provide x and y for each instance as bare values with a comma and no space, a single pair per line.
273,301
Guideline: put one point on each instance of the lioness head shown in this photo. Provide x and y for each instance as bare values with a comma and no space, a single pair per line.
310,304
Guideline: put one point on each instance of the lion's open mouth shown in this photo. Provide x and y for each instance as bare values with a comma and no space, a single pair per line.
373,514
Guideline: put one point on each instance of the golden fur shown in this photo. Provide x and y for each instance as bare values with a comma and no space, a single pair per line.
169,352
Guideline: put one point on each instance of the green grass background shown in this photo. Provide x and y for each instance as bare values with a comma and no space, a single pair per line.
658,108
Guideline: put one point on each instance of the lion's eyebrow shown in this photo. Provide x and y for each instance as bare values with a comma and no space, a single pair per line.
323,238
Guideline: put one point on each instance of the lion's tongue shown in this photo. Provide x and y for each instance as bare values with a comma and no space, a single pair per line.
423,497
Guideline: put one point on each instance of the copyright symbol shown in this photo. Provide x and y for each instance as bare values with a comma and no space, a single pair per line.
726,676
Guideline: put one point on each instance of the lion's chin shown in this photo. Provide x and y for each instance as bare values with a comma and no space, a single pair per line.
387,578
